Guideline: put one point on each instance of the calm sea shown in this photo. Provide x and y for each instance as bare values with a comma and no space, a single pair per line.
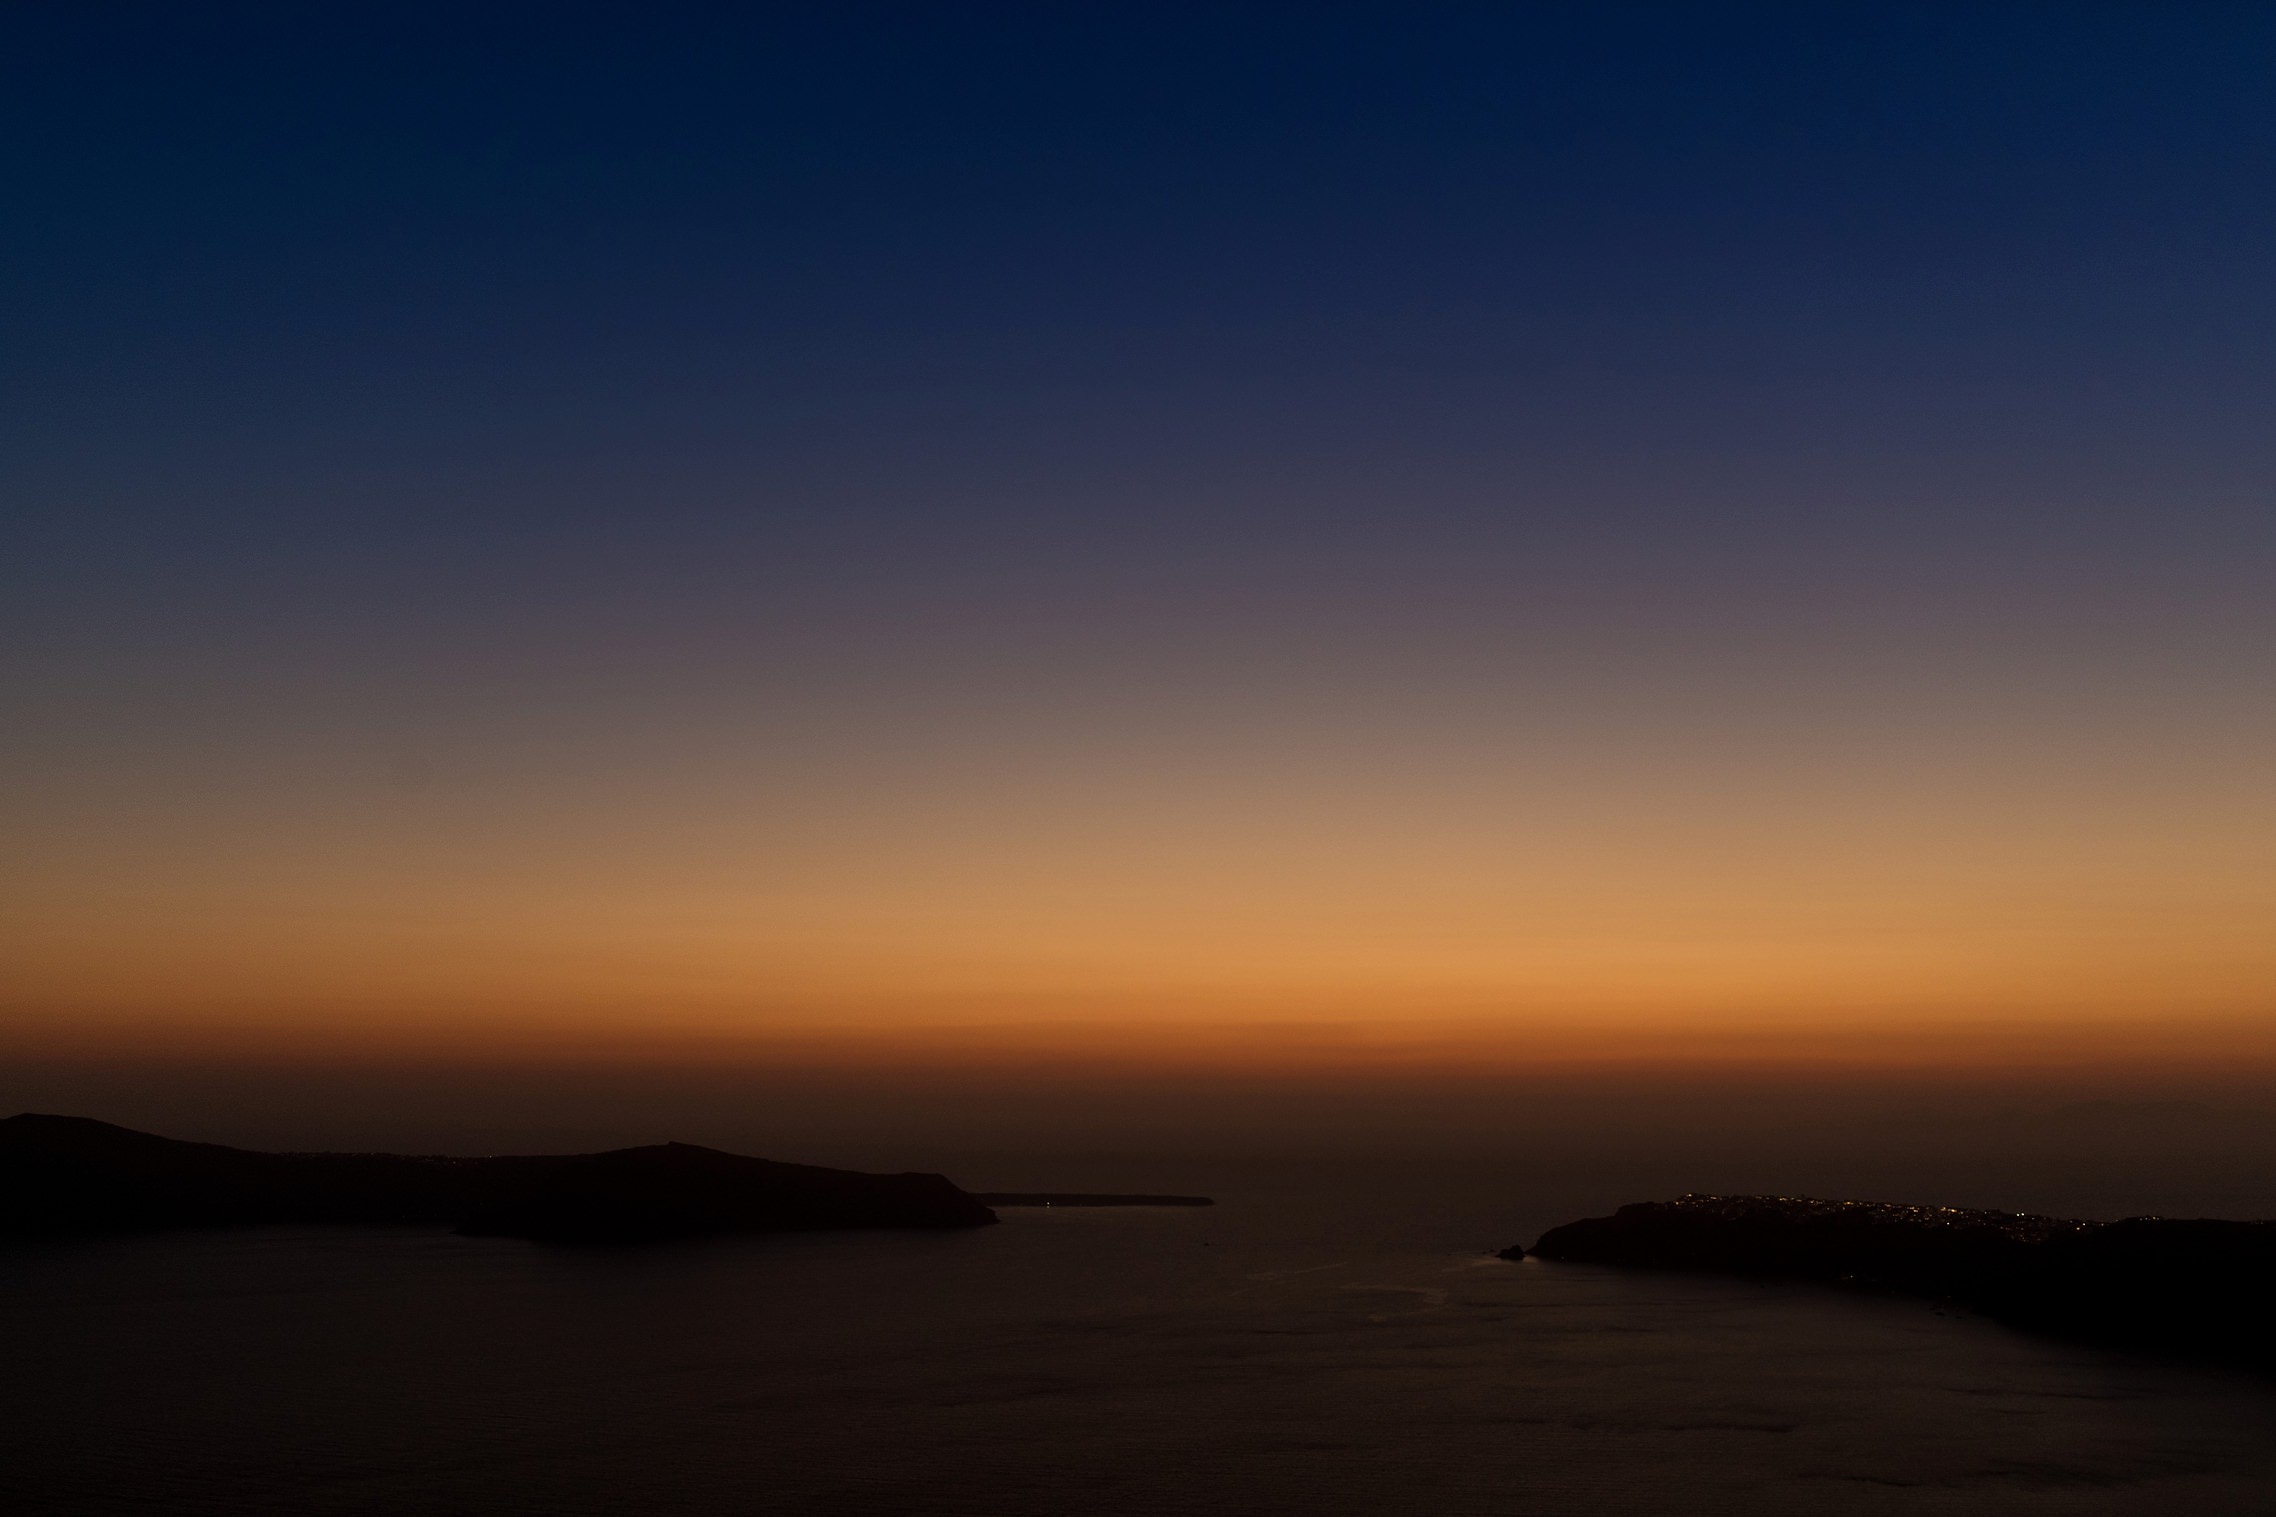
1315,1344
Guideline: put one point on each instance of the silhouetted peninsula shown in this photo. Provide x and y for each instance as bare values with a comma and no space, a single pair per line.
75,1175
1083,1198
2200,1287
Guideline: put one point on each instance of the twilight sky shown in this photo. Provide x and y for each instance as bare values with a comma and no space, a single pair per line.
1250,535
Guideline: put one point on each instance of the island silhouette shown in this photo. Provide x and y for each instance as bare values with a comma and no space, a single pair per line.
1084,1198
77,1175
2197,1287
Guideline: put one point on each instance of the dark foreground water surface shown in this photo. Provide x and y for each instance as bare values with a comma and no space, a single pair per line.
1314,1351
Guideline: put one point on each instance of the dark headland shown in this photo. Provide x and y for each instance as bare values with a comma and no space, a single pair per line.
1084,1198
2201,1288
76,1175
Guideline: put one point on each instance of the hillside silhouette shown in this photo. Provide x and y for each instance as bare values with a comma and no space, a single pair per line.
2197,1287
61,1175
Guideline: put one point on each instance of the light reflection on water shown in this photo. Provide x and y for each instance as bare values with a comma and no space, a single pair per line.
1291,1353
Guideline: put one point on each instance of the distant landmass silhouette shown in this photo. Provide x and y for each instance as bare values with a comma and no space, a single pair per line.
1083,1198
2196,1287
77,1175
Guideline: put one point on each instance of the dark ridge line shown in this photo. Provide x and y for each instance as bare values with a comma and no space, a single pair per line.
1082,1198
63,1175
2198,1288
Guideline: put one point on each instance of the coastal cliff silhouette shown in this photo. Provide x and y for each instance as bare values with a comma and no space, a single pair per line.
2196,1287
76,1175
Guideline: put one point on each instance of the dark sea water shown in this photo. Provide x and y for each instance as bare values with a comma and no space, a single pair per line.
1306,1348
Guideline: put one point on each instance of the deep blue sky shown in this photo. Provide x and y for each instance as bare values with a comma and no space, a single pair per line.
287,255
556,316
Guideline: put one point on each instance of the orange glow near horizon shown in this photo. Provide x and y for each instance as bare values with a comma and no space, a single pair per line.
2019,897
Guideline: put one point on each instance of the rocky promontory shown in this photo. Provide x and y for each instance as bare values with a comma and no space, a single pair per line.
1082,1198
76,1175
2197,1287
